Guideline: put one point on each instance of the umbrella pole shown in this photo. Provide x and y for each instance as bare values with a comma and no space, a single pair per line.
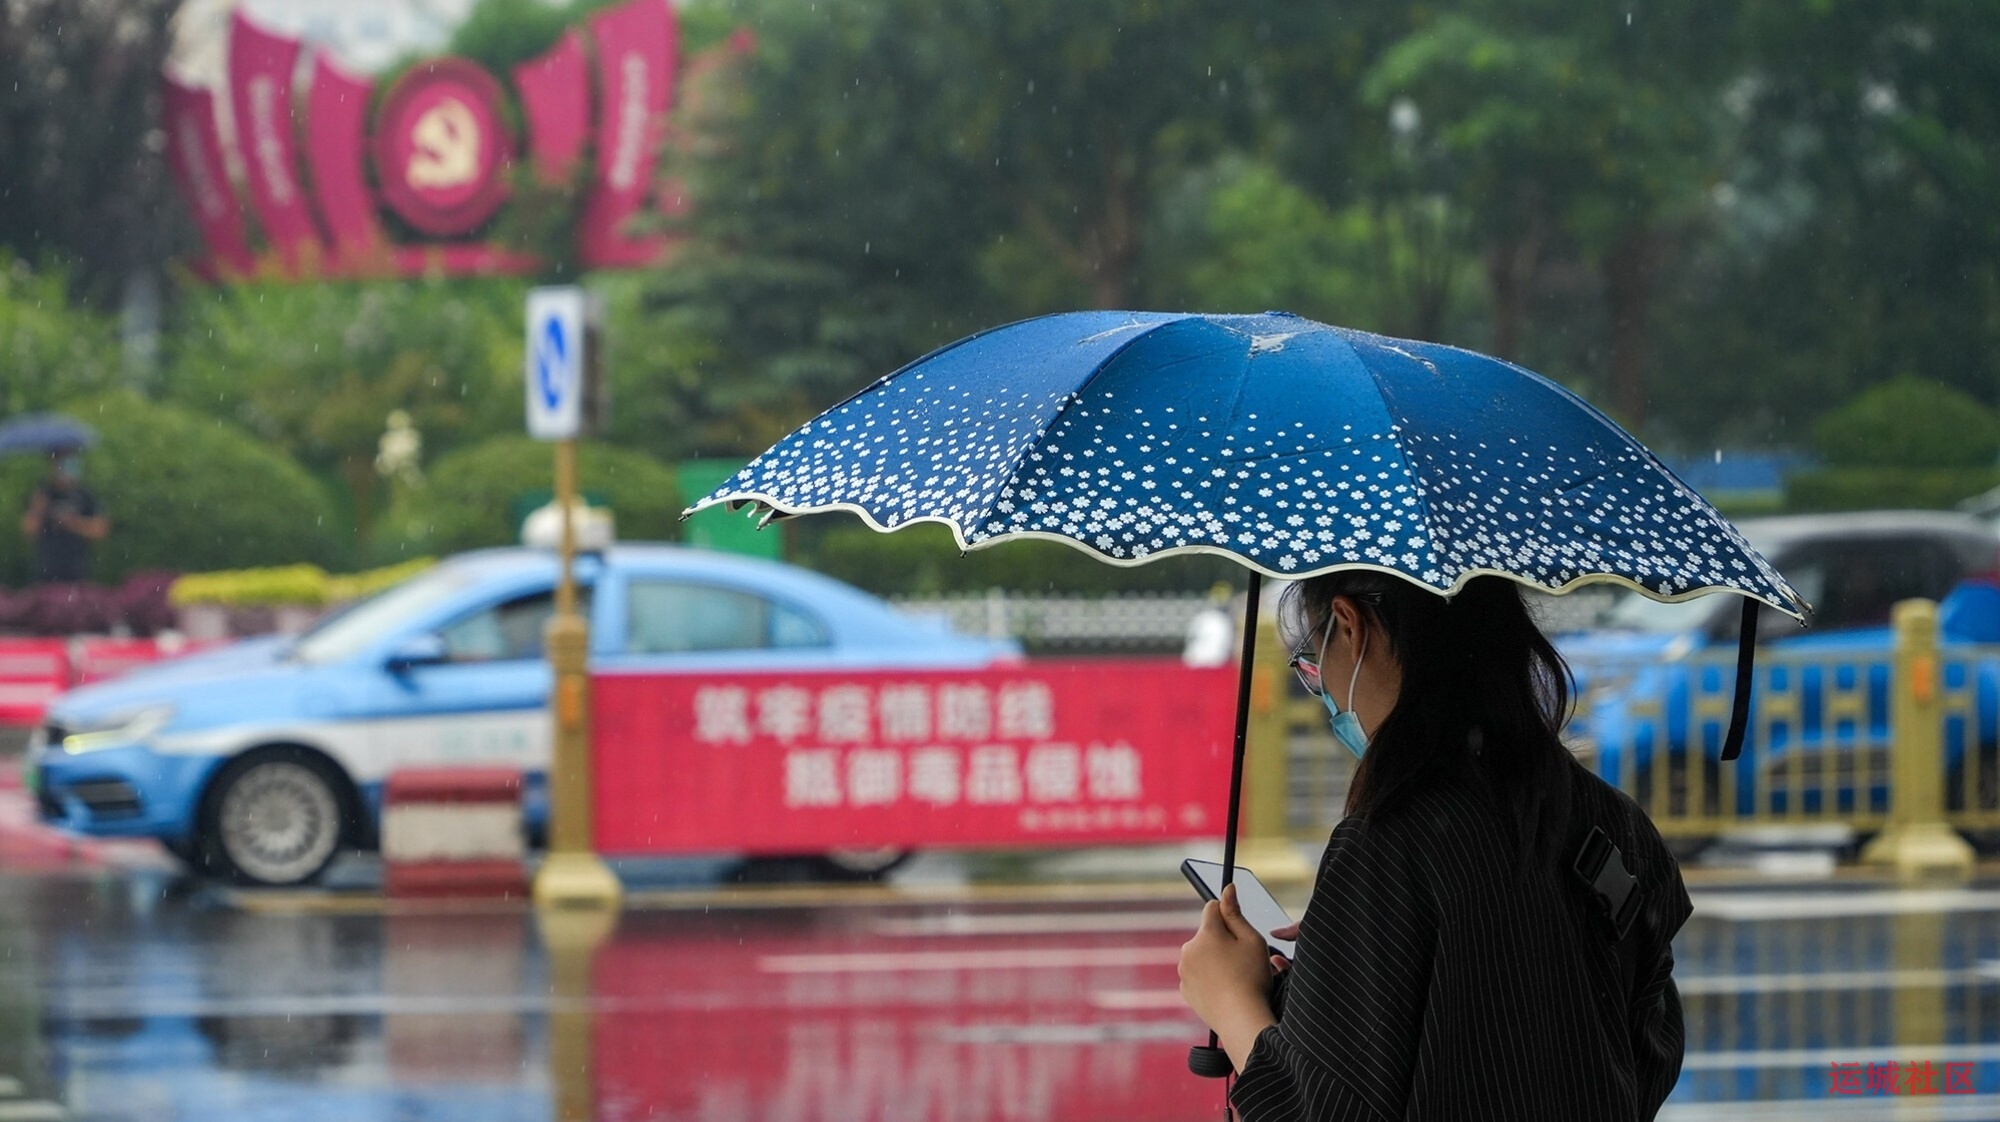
1246,673
1210,1061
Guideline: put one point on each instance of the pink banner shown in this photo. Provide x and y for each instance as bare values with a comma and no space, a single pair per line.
260,86
337,152
1060,754
194,152
635,67
555,94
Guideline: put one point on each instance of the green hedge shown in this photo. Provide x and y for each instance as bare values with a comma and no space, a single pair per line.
471,497
1910,423
1879,488
184,492
306,585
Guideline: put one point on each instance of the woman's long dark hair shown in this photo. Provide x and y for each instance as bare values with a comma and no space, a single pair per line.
1484,697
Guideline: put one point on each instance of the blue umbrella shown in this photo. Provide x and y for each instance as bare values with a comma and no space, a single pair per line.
44,432
1293,447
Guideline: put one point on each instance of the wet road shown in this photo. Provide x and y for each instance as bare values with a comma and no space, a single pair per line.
128,995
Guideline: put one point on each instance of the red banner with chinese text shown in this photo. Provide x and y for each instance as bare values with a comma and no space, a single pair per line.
1055,754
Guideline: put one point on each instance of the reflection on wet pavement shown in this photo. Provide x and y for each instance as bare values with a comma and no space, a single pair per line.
133,997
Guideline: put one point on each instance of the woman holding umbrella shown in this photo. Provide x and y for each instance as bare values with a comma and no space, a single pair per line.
1450,964
1489,937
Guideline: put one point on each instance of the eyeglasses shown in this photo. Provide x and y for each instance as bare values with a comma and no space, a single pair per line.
1306,665
1305,661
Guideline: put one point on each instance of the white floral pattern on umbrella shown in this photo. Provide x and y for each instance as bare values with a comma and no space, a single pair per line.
1294,447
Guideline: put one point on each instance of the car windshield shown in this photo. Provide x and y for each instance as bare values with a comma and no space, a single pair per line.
364,624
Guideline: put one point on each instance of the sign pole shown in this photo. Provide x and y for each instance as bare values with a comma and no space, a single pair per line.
571,875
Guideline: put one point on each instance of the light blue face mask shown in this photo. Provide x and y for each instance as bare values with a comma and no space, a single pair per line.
1346,726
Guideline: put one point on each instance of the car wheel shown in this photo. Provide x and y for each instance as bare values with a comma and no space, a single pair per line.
860,864
274,818
188,854
848,866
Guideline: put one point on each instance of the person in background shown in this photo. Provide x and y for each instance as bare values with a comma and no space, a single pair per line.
63,521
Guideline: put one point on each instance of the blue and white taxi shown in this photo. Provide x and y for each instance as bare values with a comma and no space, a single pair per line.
262,760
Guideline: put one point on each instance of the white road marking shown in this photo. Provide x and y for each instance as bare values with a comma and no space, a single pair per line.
10,1087
1041,923
35,1110
1751,907
875,962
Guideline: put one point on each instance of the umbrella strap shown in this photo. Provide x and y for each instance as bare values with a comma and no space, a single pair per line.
1746,663
1210,1061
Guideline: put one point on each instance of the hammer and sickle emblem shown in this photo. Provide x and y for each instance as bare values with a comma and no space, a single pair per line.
446,140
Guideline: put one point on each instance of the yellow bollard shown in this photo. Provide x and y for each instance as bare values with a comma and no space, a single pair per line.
572,875
1917,842
1266,846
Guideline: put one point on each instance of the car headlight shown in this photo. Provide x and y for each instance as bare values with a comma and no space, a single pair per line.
119,729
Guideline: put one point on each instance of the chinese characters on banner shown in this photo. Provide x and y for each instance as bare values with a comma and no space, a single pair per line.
778,763
1924,1077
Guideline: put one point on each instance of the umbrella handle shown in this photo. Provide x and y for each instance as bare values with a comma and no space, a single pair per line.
1746,662
1209,1060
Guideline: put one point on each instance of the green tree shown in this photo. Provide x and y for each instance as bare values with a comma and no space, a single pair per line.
1593,130
875,178
1241,236
317,368
474,496
1862,232
82,180
50,350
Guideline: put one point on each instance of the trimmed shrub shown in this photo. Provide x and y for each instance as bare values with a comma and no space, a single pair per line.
306,586
70,609
1910,442
1880,488
182,491
142,602
473,497
1910,423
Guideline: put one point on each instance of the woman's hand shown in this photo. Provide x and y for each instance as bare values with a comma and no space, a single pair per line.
1226,973
1289,934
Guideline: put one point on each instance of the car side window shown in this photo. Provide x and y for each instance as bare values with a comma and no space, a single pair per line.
792,628
508,631
1865,579
672,617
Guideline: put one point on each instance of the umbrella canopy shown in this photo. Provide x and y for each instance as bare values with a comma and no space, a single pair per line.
1294,447
44,432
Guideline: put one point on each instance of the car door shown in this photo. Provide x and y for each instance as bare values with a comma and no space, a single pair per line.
484,701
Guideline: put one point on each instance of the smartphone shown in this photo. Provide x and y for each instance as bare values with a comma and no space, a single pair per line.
1258,907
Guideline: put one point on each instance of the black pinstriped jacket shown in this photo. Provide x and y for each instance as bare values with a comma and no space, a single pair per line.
1438,979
